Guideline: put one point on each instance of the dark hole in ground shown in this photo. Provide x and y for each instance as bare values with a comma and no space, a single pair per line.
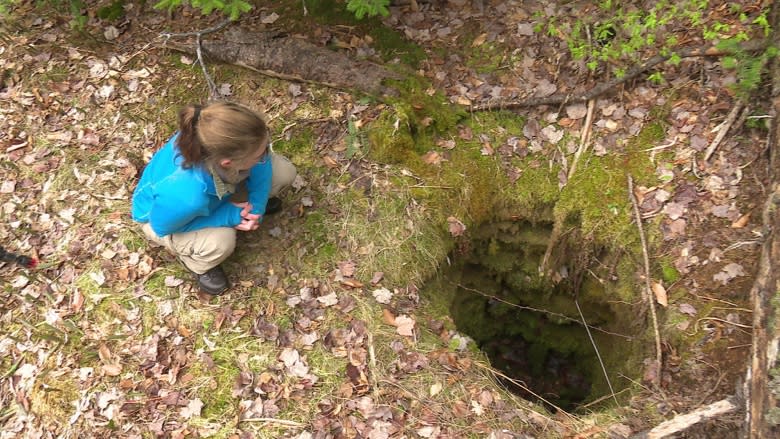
529,325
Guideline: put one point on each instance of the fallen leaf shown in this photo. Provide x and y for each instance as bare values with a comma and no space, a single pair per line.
7,187
688,309
404,325
432,158
347,268
352,283
193,409
328,300
552,134
388,317
480,40
435,389
112,370
741,222
576,111
660,294
270,19
729,272
173,281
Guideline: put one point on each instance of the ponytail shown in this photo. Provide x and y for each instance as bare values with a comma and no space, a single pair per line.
188,143
219,130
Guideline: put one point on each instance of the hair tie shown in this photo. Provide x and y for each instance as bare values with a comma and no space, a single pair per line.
197,115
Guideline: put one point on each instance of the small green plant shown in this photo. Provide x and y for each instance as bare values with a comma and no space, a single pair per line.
231,8
372,8
619,35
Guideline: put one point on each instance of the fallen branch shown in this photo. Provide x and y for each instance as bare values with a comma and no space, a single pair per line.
281,56
213,92
723,128
683,422
647,290
633,72
584,138
525,388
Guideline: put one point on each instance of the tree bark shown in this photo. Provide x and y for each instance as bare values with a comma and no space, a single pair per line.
761,399
293,59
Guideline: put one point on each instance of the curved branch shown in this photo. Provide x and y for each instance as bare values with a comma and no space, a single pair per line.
633,72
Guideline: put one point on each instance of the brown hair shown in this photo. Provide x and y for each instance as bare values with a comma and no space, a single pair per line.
219,130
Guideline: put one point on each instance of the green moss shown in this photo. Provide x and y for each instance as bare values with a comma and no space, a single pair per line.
668,273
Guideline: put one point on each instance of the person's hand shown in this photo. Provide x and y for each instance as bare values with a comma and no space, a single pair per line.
249,221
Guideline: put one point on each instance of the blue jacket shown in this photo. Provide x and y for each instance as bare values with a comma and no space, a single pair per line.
174,199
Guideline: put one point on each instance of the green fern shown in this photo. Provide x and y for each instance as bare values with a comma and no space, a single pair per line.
372,8
231,8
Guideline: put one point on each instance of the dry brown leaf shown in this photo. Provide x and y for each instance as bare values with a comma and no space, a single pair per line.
112,370
352,283
741,222
432,158
330,162
660,294
404,325
480,40
388,317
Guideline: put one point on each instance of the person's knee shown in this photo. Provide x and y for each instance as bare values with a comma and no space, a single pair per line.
284,173
220,243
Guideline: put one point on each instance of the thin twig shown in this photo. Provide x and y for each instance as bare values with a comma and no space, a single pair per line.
647,289
283,422
372,359
598,355
522,386
584,138
543,311
723,128
213,92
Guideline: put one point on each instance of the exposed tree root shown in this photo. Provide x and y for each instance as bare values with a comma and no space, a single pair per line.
648,289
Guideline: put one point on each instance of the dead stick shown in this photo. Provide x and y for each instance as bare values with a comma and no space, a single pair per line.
283,422
723,129
584,138
682,422
688,52
372,359
647,289
522,386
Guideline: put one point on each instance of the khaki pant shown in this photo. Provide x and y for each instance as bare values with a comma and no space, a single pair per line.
204,249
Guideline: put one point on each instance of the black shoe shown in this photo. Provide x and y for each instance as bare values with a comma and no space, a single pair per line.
274,205
213,282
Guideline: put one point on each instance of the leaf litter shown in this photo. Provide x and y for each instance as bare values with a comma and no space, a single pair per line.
154,376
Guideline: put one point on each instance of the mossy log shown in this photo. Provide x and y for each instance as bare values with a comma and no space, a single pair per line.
293,59
762,388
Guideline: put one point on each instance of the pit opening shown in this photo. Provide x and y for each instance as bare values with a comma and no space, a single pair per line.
529,325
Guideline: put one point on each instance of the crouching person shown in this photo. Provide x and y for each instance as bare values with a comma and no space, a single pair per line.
215,176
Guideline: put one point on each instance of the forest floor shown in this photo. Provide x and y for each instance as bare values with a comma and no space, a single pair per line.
321,335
